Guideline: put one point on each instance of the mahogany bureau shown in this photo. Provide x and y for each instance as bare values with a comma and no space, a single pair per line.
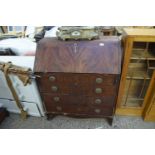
79,78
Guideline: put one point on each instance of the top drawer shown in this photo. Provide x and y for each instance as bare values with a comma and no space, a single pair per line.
62,78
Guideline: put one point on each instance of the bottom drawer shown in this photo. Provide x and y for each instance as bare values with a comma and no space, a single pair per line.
80,110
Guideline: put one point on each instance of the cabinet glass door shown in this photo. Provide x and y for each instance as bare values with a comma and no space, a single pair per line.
139,73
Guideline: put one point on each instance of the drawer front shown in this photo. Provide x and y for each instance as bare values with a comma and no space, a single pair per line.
83,110
83,79
51,99
77,90
77,104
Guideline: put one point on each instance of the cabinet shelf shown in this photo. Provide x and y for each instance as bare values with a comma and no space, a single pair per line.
142,55
135,99
133,102
138,75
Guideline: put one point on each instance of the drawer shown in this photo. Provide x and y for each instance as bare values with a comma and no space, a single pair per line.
77,89
31,108
83,110
50,99
79,78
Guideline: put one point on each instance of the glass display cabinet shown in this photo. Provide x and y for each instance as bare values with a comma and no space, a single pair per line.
137,72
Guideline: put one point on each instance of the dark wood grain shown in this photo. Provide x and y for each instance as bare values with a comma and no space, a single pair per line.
79,110
77,84
76,69
78,100
98,56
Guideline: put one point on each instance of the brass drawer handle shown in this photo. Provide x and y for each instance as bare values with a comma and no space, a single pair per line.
52,78
98,101
98,90
56,99
99,80
97,110
54,88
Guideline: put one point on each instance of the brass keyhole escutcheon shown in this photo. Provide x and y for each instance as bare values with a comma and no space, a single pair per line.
52,78
54,88
98,90
56,99
75,84
99,80
98,101
59,108
97,110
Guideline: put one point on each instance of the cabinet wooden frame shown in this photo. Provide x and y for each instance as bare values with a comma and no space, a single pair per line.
132,35
149,112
